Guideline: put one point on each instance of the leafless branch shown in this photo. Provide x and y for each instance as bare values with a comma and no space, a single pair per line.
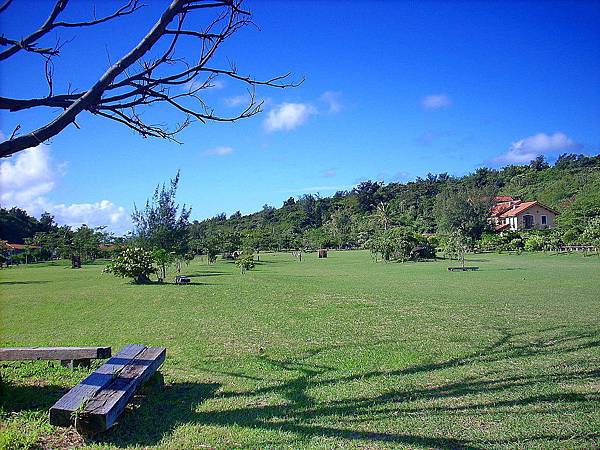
130,7
15,131
29,43
134,82
5,5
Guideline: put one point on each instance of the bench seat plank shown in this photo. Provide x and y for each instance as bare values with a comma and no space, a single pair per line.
102,411
56,353
62,411
99,399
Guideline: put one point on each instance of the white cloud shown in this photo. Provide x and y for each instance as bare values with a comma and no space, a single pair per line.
329,173
218,151
436,101
26,176
29,176
531,147
237,100
332,100
316,189
288,116
95,214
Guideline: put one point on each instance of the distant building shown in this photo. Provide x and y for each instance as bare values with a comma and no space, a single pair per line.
15,249
9,250
509,214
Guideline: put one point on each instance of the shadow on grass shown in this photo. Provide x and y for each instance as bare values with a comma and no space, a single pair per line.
155,284
306,417
278,262
207,274
17,398
11,283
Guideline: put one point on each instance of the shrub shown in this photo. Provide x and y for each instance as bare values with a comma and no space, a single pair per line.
591,233
433,242
400,244
401,240
245,262
135,263
535,243
490,241
571,236
516,244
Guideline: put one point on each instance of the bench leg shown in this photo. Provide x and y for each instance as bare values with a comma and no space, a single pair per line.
72,363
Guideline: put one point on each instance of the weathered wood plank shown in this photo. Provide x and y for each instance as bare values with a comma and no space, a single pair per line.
62,411
101,411
49,353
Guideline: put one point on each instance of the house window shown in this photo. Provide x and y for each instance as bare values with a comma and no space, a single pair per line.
528,221
544,220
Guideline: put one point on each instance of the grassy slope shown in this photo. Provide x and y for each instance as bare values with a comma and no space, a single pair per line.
335,352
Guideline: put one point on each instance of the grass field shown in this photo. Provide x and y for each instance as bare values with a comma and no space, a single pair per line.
340,352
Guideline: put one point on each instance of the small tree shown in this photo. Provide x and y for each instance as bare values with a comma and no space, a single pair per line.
245,262
393,244
401,240
135,263
180,260
211,255
4,250
164,259
86,242
162,224
456,246
383,216
465,210
591,234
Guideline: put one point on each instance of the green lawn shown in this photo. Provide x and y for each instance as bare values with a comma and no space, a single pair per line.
340,352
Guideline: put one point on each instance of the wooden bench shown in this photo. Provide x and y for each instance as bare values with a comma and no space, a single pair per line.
464,269
68,356
95,404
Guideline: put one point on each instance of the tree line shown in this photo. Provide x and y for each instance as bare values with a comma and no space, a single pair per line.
434,204
394,220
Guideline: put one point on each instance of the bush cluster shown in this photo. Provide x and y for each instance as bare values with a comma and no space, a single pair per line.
135,263
400,244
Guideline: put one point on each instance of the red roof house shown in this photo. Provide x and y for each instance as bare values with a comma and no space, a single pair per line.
515,215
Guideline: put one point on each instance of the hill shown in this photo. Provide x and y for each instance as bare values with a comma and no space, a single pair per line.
571,186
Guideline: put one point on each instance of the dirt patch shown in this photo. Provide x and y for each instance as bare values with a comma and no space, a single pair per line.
61,439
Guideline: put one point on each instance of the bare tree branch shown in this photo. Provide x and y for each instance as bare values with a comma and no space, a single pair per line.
130,7
29,43
133,82
5,5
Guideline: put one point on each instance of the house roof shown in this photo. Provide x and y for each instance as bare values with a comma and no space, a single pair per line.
503,198
524,207
502,226
501,207
20,246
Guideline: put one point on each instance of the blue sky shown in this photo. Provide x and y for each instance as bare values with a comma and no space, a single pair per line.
392,90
